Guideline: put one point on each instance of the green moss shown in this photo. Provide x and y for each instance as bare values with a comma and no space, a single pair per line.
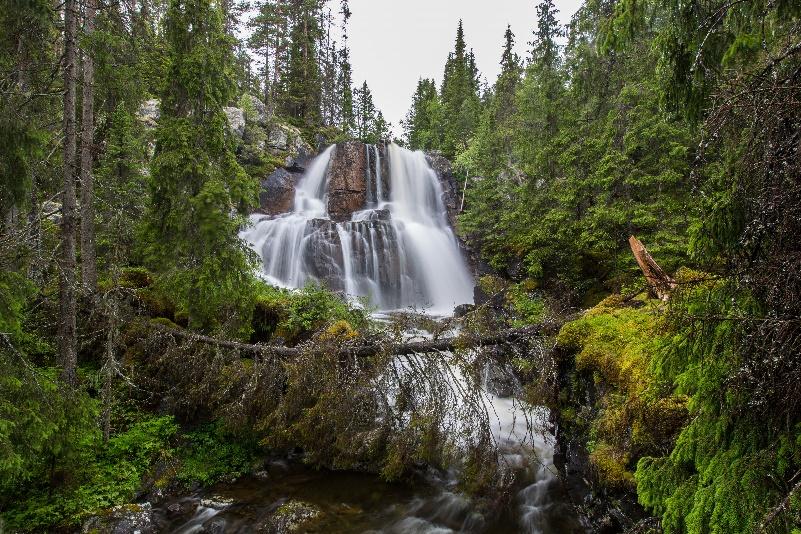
634,417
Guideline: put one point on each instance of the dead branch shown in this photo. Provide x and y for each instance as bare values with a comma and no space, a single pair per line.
370,349
659,282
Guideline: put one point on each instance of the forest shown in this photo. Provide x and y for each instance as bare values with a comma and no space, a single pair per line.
183,308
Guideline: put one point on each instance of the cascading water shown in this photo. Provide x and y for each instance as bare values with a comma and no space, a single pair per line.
398,250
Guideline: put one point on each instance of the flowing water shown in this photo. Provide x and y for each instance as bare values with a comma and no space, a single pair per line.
398,251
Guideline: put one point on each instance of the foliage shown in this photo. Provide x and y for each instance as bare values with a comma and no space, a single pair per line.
210,454
635,414
295,316
196,182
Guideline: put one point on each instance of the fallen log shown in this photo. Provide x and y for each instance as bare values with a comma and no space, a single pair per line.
660,284
370,349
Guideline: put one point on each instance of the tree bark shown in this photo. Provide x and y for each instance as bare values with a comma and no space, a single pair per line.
88,255
68,348
660,284
371,349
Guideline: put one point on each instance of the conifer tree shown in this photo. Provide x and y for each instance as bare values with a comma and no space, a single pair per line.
302,101
422,125
459,94
199,192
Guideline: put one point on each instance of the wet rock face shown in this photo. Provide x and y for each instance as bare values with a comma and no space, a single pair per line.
347,189
278,192
323,253
451,195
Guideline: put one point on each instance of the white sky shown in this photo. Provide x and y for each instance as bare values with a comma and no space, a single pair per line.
395,42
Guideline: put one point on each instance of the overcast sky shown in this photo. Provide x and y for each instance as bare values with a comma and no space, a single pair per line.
395,42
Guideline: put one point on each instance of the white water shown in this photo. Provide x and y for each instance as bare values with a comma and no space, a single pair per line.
398,252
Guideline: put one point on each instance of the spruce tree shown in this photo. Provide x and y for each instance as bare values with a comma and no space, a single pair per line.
422,125
303,98
459,95
199,193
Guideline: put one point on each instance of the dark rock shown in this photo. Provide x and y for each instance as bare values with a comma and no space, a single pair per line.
278,192
462,310
500,380
451,194
323,253
122,519
292,516
347,189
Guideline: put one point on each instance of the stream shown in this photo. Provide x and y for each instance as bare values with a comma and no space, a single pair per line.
398,251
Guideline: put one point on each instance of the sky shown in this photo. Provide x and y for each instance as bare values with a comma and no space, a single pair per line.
395,42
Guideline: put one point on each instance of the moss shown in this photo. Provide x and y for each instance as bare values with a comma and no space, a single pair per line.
610,466
615,345
135,278
340,330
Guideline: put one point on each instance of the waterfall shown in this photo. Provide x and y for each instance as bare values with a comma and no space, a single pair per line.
398,250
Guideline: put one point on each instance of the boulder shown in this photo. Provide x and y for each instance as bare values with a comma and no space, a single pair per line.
236,120
255,110
287,141
277,194
292,516
150,113
123,519
347,189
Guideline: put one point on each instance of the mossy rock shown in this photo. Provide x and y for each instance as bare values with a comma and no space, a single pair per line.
292,516
135,278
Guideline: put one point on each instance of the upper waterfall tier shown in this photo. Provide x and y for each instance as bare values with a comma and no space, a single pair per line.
369,221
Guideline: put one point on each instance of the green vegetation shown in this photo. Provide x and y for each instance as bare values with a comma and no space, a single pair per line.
674,122
122,368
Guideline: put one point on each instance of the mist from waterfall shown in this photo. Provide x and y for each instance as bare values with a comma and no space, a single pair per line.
398,251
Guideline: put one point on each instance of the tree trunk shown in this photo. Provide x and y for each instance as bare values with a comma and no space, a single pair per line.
371,349
67,329
88,258
660,284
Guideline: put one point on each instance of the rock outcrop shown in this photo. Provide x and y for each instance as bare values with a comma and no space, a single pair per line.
255,110
236,121
122,520
292,516
347,187
451,195
323,253
150,113
277,194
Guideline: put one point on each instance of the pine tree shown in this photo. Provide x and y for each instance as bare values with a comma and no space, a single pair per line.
303,98
545,47
345,81
67,283
459,94
423,127
196,184
88,255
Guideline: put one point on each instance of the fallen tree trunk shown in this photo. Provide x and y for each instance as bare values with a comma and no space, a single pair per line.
370,349
660,284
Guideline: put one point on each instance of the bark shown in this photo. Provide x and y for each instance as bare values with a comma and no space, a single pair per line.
371,349
88,255
67,328
660,284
